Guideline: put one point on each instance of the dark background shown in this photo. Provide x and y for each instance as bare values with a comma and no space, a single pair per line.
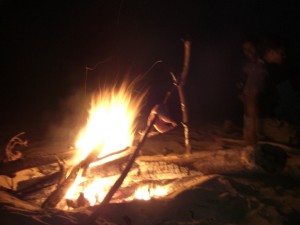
47,45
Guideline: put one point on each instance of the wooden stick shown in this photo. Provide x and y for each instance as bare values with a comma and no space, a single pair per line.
186,63
179,84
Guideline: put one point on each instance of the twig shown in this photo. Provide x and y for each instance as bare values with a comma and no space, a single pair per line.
11,154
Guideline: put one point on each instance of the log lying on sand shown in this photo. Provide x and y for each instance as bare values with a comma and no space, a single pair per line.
279,145
264,159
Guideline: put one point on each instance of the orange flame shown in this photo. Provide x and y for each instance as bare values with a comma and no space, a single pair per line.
111,123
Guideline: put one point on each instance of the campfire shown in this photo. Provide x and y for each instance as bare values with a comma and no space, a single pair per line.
111,127
105,166
111,134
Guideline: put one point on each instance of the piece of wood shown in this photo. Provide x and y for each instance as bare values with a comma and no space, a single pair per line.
244,160
10,168
38,184
179,83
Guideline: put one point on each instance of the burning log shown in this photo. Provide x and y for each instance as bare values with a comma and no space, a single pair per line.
63,187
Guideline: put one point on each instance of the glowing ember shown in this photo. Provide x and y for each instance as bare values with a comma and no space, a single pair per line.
146,192
94,191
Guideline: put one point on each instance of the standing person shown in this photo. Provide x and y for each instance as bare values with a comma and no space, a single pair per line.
259,92
274,56
255,76
284,85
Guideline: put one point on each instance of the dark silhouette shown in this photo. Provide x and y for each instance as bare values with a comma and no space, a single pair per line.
258,86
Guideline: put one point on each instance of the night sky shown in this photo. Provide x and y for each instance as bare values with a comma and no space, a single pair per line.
47,45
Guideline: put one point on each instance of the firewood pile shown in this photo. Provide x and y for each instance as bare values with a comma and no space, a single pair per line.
176,173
